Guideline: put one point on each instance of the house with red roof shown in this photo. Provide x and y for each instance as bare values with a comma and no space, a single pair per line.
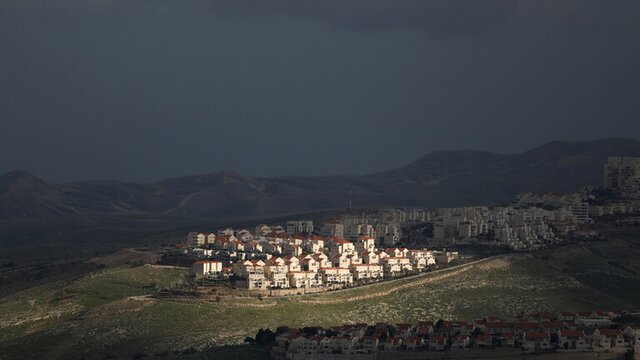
413,343
339,246
370,344
573,340
251,275
507,340
534,340
336,276
393,343
343,344
292,249
292,263
484,341
437,343
498,327
552,326
566,316
366,271
608,338
633,332
298,344
304,279
403,330
521,327
322,259
365,243
313,244
370,257
460,342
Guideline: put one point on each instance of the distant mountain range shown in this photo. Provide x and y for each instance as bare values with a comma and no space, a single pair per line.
439,179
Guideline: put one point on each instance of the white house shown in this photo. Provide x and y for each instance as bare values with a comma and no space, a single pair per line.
607,338
633,332
205,268
338,246
572,340
366,271
336,276
536,341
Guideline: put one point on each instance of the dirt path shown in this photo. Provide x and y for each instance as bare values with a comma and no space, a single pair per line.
385,292
411,281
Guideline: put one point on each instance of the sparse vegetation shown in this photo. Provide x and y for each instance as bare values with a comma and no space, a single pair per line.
108,313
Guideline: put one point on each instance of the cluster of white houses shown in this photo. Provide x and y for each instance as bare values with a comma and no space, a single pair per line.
282,261
567,331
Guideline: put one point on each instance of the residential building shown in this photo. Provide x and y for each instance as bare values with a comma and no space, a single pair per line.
206,268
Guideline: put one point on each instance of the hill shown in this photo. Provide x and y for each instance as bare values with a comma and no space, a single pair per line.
104,313
446,178
98,213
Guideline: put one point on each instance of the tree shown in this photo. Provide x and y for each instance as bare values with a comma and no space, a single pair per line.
265,337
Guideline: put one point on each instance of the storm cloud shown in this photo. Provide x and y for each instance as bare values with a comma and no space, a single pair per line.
149,89
436,17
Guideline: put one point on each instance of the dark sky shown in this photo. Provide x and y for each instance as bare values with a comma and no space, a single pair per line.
148,89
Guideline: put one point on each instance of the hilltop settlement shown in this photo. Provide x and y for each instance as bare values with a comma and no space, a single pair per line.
355,249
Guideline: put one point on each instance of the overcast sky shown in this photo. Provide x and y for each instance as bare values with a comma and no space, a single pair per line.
142,90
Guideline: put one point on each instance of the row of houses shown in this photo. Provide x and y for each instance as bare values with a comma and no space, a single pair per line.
342,266
301,261
533,333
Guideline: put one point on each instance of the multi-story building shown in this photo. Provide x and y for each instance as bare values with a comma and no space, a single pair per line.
622,175
299,227
206,268
366,271
336,276
195,239
304,279
333,228
250,275
341,246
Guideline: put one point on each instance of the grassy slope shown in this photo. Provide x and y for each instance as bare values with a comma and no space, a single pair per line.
95,316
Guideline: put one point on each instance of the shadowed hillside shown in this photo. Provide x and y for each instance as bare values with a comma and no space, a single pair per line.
72,319
87,213
446,178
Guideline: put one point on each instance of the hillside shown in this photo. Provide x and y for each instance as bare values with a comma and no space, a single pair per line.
103,313
102,215
447,178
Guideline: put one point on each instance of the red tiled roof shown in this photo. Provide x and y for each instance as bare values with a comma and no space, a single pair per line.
338,240
572,333
525,325
536,335
610,332
497,325
552,324
393,340
437,339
